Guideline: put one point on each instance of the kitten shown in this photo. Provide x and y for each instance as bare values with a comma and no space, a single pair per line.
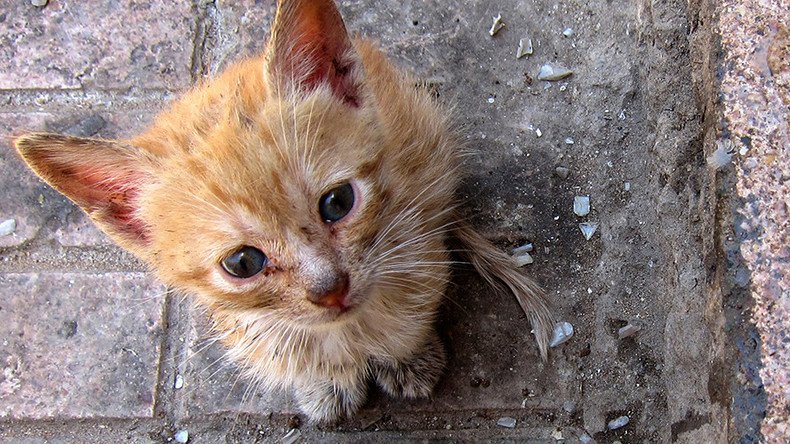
306,198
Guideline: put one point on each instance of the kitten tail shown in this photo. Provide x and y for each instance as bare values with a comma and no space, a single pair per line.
497,268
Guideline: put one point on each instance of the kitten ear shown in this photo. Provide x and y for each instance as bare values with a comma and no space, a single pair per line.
103,177
310,47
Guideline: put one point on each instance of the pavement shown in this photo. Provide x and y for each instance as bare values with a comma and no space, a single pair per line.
95,350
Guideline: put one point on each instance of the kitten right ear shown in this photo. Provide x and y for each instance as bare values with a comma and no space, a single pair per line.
103,177
309,47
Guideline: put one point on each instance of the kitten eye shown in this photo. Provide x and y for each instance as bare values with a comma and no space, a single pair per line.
245,262
335,204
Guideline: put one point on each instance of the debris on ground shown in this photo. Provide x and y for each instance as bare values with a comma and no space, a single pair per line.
292,436
563,331
7,227
181,436
524,48
618,422
496,26
588,229
581,205
506,422
551,72
628,331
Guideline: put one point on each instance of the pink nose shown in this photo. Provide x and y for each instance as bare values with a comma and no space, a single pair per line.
331,295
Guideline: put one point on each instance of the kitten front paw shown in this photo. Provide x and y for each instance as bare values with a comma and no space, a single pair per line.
328,401
415,377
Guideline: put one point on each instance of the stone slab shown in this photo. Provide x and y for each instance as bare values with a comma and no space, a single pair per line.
79,345
74,44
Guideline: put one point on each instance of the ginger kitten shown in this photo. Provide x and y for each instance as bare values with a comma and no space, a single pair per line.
306,198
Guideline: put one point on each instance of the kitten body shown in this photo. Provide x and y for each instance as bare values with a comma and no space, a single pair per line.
246,161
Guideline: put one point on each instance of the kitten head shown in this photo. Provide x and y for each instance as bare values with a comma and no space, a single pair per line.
302,184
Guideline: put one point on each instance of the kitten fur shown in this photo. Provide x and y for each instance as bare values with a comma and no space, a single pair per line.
244,159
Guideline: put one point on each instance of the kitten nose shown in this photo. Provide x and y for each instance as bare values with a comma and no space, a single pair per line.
330,292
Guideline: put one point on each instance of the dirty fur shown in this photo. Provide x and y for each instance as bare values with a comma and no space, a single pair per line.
242,160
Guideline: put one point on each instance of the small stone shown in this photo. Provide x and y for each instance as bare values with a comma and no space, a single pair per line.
581,205
557,435
292,436
563,331
491,100
496,26
39,3
523,259
524,48
526,248
569,406
588,229
7,227
569,141
585,438
722,156
538,132
619,422
179,382
181,436
568,32
562,171
506,422
627,186
628,331
448,427
550,72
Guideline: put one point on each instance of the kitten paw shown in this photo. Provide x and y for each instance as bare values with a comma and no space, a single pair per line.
327,401
416,377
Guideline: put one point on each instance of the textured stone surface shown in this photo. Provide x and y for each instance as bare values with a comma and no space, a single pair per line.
79,345
126,44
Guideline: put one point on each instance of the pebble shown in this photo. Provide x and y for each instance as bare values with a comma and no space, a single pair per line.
179,382
585,438
588,229
563,331
551,72
496,26
292,436
569,406
563,172
617,423
568,32
523,259
569,141
581,205
181,436
524,48
557,435
506,422
7,227
628,331
526,248
39,3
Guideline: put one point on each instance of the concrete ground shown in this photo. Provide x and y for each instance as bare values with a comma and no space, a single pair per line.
94,350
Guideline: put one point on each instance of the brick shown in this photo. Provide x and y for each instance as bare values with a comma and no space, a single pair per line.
144,44
244,26
79,345
36,207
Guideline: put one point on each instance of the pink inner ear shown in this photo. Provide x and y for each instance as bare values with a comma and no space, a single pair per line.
110,196
311,46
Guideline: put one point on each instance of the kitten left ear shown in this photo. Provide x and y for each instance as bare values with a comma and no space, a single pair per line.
103,177
310,47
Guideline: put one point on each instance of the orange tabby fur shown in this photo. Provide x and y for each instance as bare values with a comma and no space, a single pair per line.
244,159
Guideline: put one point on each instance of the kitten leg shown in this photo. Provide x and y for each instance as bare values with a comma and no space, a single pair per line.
329,398
497,268
415,377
